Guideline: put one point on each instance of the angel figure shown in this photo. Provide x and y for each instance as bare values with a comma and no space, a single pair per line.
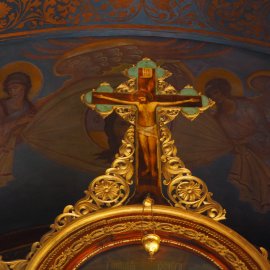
238,126
16,110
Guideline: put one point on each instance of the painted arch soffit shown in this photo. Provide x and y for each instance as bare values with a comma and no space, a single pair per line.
230,22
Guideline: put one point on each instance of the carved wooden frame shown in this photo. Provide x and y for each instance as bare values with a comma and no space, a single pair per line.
106,229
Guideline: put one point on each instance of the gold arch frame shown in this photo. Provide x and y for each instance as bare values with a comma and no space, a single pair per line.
106,229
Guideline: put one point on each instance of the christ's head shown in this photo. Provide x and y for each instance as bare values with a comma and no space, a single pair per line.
144,96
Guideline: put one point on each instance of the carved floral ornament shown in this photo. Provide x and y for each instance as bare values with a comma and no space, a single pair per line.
115,227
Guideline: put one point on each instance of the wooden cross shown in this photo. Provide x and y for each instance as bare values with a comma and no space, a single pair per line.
146,101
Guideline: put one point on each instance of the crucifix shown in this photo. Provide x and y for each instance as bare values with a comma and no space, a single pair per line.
146,101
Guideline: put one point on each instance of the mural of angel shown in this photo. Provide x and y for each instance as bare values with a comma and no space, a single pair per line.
16,110
240,118
211,135
249,133
259,82
238,126
86,65
49,125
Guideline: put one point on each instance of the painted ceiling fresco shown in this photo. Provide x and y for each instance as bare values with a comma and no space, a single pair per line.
229,22
51,145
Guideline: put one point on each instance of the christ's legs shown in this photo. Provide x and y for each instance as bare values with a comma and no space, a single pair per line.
145,149
152,143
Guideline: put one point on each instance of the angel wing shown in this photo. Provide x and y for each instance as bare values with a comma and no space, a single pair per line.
200,141
203,140
59,132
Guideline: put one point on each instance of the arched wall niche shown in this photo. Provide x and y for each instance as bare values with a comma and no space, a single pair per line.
110,229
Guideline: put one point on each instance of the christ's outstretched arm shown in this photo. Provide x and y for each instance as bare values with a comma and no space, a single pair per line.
178,102
116,100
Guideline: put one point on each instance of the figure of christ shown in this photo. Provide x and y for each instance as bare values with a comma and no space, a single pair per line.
147,123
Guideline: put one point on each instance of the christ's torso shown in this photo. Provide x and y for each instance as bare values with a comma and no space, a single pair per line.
147,114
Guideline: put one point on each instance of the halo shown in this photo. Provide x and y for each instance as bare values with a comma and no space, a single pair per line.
21,66
214,73
260,85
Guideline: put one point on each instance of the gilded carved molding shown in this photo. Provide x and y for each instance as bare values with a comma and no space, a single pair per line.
183,189
129,222
14,265
128,113
78,244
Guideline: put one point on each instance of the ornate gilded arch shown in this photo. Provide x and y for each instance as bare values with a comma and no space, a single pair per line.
98,232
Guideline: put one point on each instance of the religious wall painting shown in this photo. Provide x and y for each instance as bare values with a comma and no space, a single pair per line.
39,122
259,83
85,57
237,126
45,133
59,130
75,75
105,58
70,58
107,133
20,83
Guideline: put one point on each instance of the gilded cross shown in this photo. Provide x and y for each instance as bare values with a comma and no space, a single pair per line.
146,100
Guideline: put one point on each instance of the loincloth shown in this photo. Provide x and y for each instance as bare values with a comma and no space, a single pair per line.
147,131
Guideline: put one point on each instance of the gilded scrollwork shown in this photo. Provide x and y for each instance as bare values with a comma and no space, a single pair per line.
14,265
128,86
128,113
183,189
171,164
264,253
20,264
108,190
191,193
163,87
166,115
228,250
202,237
